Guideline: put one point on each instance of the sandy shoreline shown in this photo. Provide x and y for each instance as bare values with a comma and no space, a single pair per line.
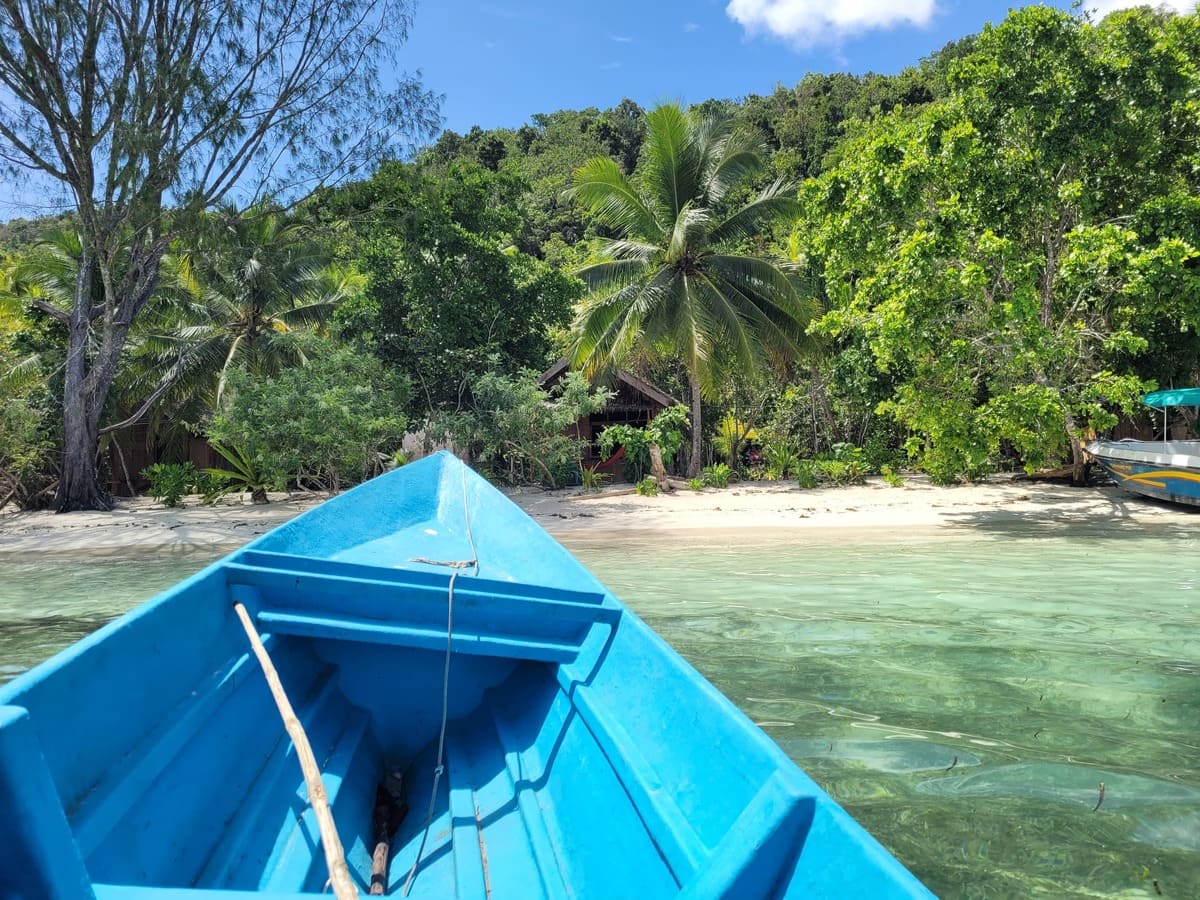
141,524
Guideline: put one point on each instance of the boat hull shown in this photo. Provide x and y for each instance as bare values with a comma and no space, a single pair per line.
582,756
1163,471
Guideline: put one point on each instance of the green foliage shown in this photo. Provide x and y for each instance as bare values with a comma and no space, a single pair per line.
842,465
666,430
647,487
891,477
28,366
593,480
247,292
806,474
636,462
448,297
716,475
780,457
169,482
330,423
732,434
247,473
161,113
26,449
1003,253
520,429
696,484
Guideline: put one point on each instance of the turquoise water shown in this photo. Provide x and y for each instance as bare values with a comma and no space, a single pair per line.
963,695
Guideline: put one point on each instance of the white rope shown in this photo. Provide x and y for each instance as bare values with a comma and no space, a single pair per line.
441,765
440,768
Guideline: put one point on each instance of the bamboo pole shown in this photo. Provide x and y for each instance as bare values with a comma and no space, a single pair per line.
335,858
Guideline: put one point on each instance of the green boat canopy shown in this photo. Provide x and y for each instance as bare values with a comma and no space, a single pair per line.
1178,397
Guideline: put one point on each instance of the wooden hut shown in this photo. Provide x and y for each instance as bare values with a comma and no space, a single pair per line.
635,402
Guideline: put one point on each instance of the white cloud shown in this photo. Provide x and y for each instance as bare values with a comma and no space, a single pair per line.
1103,7
807,22
620,38
691,26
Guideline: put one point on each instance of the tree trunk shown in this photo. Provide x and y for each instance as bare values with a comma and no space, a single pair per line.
693,468
1080,462
79,486
659,470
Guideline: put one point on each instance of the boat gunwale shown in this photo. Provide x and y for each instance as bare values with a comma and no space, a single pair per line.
1132,451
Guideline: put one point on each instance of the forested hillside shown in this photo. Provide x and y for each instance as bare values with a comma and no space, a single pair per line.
970,266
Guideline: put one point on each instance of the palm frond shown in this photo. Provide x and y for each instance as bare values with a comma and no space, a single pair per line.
611,275
776,203
670,171
776,302
736,157
608,248
690,235
601,186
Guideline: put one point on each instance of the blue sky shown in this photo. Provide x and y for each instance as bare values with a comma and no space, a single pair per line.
497,62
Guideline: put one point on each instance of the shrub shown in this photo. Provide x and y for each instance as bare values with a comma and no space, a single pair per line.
780,458
891,477
647,487
696,484
716,476
517,427
246,474
332,422
26,452
806,474
170,481
592,479
666,430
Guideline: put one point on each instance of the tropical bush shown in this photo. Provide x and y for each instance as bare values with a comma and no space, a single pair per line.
246,474
780,458
330,423
169,482
731,435
647,487
26,453
806,474
593,480
666,430
519,429
716,476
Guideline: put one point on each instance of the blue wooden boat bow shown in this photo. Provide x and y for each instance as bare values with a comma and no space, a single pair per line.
582,757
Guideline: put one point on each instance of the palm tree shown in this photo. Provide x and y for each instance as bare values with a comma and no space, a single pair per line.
257,285
676,276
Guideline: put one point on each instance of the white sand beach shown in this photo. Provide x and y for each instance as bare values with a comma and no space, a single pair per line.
142,524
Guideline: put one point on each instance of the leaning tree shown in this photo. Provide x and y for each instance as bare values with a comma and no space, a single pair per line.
145,112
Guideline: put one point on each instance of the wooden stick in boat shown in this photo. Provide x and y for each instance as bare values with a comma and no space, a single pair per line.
390,810
335,858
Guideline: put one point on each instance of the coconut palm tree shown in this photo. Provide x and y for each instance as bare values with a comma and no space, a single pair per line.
677,276
257,285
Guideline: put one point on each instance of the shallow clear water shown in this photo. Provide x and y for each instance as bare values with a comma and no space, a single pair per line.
963,695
